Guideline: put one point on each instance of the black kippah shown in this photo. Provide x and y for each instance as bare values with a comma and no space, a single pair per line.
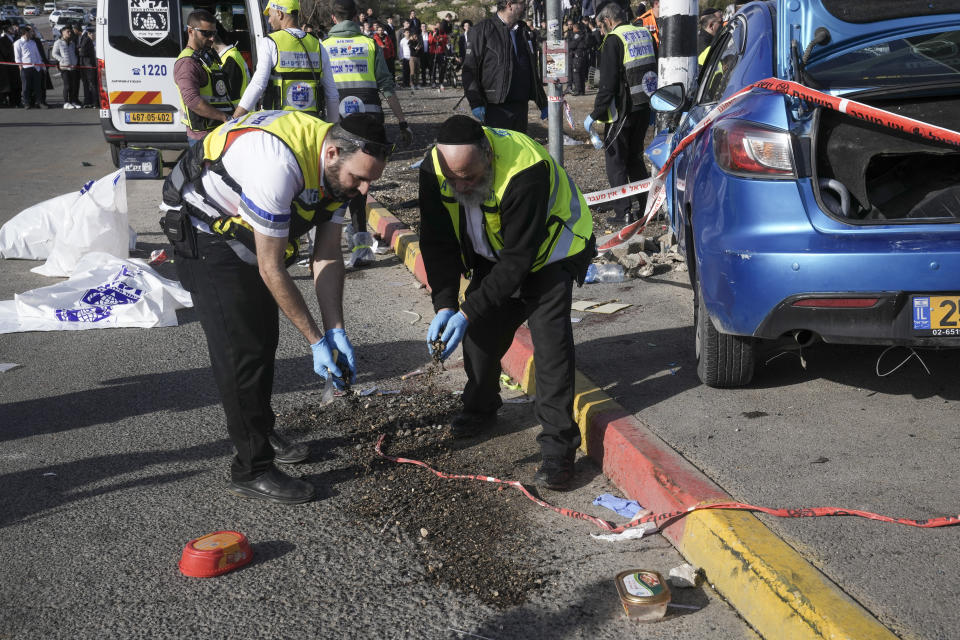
460,130
365,126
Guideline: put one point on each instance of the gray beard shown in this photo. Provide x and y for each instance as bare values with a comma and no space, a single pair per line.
476,196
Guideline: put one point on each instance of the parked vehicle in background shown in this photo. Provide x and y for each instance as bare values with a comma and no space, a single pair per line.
31,10
797,220
8,11
49,7
136,50
60,23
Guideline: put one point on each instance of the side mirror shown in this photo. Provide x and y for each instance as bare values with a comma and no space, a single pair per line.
668,99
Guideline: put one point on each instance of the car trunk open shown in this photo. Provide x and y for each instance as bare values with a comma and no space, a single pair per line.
867,173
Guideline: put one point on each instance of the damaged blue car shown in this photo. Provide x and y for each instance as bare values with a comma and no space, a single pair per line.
799,221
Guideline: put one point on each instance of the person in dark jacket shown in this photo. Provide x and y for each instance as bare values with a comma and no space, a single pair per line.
579,50
500,74
87,55
491,202
9,74
628,76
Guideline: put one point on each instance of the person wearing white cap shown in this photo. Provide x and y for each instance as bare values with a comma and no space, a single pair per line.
293,69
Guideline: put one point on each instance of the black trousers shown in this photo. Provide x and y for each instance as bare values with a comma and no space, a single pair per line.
90,91
507,115
624,158
240,319
71,85
31,80
543,300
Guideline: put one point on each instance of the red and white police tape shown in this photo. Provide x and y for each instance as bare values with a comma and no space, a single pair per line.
661,519
657,187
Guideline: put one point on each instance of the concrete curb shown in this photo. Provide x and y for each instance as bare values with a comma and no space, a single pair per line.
778,592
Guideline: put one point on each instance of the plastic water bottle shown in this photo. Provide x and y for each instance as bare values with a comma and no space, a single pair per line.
611,272
596,140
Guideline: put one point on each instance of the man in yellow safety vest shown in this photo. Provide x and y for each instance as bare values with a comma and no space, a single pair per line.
494,204
233,209
204,102
293,70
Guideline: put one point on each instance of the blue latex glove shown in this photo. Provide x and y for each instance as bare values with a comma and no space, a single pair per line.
338,339
479,113
587,123
323,360
622,506
436,327
453,333
544,113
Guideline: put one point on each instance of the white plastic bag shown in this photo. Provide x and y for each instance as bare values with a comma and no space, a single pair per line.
29,234
103,292
361,250
96,222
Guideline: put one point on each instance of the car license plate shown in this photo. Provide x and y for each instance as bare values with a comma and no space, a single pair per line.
140,117
937,315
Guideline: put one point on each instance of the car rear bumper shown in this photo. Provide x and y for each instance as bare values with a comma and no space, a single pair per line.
890,320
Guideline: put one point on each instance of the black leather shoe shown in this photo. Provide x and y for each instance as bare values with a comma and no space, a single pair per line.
285,452
467,424
275,486
555,473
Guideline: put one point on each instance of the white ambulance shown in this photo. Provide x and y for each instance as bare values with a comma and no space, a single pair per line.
137,43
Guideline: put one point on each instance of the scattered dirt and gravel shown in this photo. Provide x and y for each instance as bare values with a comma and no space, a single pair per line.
470,536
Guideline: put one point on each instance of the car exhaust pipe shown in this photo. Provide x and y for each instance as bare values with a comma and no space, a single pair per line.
804,337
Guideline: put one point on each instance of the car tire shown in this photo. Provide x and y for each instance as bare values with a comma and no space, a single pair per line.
723,360
115,155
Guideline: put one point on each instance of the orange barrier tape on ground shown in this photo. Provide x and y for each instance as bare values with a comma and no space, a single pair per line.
660,519
879,117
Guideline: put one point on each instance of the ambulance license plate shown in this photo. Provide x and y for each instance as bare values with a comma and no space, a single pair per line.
937,315
141,117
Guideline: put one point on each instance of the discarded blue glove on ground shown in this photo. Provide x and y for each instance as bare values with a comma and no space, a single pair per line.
624,507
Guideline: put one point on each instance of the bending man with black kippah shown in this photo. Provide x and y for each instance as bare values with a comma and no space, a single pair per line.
495,205
234,208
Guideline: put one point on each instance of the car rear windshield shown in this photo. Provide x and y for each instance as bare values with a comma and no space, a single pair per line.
932,57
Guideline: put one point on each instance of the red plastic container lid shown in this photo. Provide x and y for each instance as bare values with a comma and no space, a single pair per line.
215,554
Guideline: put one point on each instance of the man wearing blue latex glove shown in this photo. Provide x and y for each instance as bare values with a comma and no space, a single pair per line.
628,75
544,113
234,207
495,204
449,326
500,70
323,361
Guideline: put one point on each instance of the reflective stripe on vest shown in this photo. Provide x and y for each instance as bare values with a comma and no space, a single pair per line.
638,55
214,92
303,134
353,63
569,222
297,73
232,53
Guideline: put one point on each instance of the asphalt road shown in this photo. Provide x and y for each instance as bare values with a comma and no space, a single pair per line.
115,455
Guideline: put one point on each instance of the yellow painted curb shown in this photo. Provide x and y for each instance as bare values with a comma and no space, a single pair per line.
769,583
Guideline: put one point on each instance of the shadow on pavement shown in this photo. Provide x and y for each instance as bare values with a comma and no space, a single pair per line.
178,391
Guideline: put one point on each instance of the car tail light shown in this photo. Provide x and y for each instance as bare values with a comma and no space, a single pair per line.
744,149
104,98
837,303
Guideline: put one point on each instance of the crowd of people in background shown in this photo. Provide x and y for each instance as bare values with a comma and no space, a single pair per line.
25,83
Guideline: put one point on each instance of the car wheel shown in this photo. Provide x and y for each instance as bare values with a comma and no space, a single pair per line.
723,360
115,155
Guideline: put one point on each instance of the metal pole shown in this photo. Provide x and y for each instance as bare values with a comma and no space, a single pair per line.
678,44
554,93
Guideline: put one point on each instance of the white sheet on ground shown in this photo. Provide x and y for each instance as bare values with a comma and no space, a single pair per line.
103,292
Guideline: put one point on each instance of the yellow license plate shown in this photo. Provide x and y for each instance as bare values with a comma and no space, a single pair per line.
140,117
940,315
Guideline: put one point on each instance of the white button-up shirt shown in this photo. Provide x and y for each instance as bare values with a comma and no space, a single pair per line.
26,52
